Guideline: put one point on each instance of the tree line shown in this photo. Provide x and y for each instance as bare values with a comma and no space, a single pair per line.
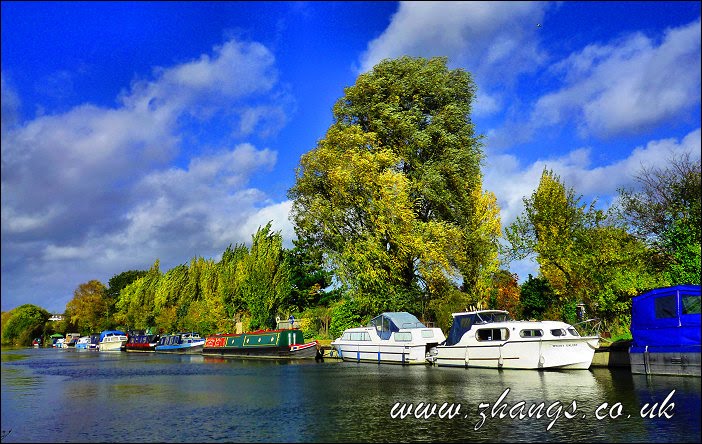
390,214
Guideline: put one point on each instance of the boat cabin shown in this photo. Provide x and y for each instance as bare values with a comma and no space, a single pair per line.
462,322
391,322
665,327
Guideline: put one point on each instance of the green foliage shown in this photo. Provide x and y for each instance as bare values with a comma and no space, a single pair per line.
583,253
89,308
536,296
665,214
344,314
23,324
308,276
392,195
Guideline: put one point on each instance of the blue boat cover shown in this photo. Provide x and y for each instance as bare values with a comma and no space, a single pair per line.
461,324
667,319
392,321
116,332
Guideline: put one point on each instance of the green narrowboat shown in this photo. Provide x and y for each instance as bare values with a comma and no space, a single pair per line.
275,344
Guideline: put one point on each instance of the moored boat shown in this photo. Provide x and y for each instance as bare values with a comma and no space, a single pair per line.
112,340
190,342
83,343
665,329
36,342
142,343
271,344
391,337
490,338
94,341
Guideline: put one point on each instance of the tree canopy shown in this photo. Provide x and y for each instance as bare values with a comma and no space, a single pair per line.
392,195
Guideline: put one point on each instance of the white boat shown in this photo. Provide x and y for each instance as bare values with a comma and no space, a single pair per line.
392,337
83,343
112,340
490,338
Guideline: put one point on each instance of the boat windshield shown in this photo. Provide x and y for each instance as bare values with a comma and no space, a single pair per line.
492,316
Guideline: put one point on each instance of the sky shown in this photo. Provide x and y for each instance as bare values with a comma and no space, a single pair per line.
138,131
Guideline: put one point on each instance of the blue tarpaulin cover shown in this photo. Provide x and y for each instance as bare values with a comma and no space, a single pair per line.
116,332
666,319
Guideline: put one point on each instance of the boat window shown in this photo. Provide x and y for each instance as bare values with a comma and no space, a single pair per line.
665,307
427,333
346,337
558,332
404,336
691,304
531,333
573,331
492,334
360,336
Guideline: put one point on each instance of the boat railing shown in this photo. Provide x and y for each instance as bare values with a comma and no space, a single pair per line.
589,327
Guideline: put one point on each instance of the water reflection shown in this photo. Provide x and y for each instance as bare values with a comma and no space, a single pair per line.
126,396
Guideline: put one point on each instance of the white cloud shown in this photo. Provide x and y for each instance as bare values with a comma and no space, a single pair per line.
495,41
94,191
629,85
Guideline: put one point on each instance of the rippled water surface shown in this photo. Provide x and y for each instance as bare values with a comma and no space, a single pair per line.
55,395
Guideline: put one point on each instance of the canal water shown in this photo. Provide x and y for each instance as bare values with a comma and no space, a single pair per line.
67,395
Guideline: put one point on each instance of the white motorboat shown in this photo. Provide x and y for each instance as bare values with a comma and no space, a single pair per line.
490,338
112,340
392,337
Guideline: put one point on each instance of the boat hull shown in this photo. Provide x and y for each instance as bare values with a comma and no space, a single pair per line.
180,348
111,346
673,361
382,354
268,344
566,354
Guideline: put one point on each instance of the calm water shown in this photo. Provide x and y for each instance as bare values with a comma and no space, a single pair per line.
59,395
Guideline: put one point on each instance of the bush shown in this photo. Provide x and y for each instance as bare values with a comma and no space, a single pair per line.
345,314
24,323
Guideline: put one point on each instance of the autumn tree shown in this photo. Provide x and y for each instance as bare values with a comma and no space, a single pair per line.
583,253
665,213
392,195
89,307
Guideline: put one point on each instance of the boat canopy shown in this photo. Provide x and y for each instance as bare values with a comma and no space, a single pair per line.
56,335
667,317
111,332
392,321
462,322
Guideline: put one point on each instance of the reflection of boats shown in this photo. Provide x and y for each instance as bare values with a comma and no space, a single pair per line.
392,337
142,342
83,343
180,343
280,344
665,326
490,338
112,340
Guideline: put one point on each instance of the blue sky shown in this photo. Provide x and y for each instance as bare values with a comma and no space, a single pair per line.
140,131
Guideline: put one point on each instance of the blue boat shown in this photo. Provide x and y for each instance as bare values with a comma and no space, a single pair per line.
665,326
190,342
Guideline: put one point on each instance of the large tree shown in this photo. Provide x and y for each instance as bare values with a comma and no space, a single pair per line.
89,307
583,253
393,195
665,213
